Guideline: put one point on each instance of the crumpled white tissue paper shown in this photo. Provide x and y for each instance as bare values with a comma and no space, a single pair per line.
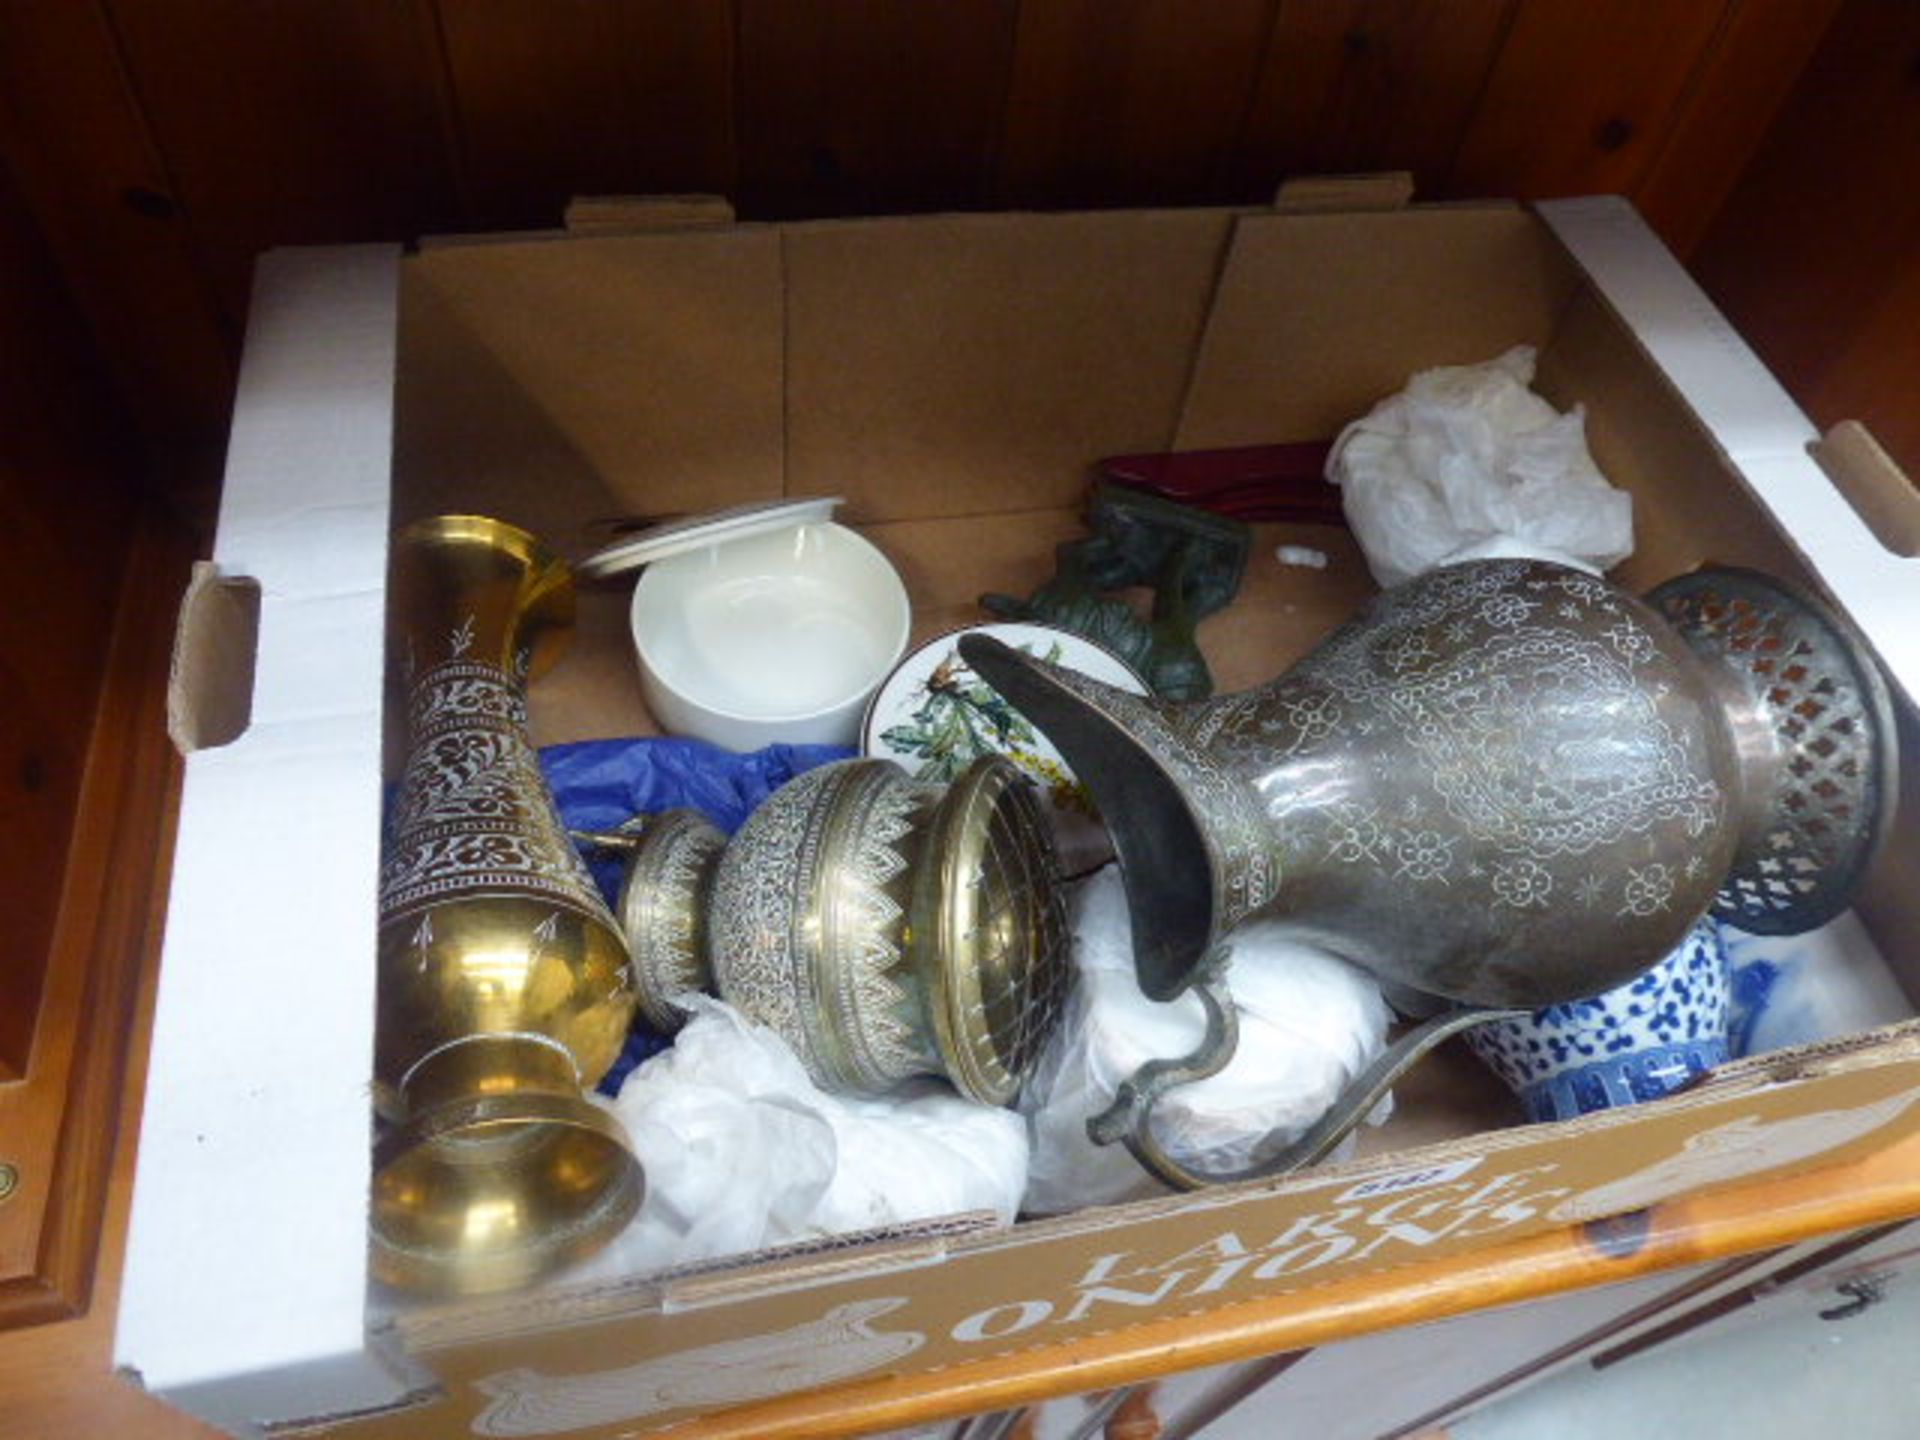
1468,463
1309,1023
742,1151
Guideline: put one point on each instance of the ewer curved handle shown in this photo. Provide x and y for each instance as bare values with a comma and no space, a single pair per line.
1129,1118
1132,1108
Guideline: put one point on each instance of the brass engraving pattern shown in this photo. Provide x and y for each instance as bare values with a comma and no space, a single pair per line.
755,892
825,977
1469,714
1468,670
863,951
664,926
474,815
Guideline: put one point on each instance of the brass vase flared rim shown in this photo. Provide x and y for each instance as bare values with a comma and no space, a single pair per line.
453,1214
548,599
503,535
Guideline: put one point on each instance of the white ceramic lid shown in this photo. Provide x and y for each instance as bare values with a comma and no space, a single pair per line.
698,532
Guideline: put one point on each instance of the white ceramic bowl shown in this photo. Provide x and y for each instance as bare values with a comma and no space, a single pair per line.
778,637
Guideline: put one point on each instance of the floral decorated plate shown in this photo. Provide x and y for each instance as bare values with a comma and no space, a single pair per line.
936,717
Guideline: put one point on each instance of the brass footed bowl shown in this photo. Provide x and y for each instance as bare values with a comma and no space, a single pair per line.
887,927
884,927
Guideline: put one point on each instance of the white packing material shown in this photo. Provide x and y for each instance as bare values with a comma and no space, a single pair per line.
1467,462
1309,1023
1801,989
742,1151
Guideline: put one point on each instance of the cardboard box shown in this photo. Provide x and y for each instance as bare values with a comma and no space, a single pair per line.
954,377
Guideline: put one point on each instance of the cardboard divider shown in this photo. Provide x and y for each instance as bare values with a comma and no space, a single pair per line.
969,364
1730,397
563,385
1320,315
956,377
1643,441
1107,1276
245,1284
1691,508
1377,190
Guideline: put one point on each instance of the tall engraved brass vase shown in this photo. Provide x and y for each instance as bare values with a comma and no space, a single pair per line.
505,987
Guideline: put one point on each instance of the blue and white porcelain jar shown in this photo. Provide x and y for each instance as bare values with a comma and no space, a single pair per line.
1641,1041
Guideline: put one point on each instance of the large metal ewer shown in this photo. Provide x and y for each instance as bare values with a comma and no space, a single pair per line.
1506,784
505,988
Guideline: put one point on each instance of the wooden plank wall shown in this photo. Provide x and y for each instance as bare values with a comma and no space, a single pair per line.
163,143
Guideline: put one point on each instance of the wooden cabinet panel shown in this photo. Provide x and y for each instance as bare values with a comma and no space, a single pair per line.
558,98
58,1116
64,511
1357,85
70,740
57,1378
159,144
1127,101
869,106
1581,95
163,143
39,787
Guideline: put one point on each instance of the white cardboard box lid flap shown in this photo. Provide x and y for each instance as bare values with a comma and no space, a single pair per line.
248,1241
